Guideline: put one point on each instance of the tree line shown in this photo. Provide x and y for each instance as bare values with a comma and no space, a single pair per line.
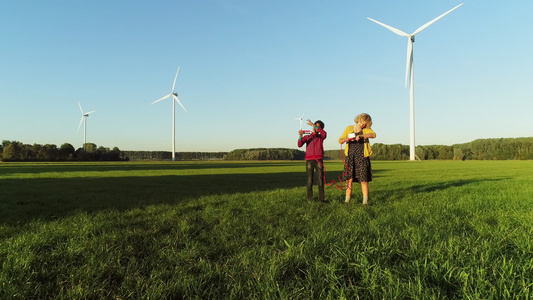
265,154
167,155
481,149
495,149
17,151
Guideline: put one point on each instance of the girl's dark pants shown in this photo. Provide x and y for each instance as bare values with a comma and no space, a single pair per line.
311,166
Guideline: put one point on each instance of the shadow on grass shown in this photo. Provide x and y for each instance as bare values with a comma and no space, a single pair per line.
36,168
391,195
24,200
426,188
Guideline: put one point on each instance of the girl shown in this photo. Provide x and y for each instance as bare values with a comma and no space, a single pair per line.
357,154
314,155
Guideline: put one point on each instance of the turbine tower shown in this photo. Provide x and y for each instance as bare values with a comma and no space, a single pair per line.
409,72
84,121
174,96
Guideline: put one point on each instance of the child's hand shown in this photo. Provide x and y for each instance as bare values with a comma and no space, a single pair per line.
310,123
300,132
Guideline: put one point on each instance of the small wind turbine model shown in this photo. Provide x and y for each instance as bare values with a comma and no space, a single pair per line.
300,119
174,96
409,72
84,120
305,132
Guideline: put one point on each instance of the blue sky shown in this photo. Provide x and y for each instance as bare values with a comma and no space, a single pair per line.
249,68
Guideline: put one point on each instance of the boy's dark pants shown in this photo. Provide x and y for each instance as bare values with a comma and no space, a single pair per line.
311,165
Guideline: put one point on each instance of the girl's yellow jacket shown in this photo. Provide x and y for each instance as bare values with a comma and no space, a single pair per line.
348,130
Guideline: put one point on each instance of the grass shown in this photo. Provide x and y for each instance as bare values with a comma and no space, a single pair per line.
243,230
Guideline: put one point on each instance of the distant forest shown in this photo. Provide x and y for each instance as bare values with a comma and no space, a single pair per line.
482,149
17,151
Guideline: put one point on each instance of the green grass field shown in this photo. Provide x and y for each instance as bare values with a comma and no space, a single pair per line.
244,230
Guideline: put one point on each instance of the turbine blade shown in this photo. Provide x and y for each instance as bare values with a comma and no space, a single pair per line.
80,107
395,30
434,20
162,98
81,121
173,85
90,112
409,62
178,100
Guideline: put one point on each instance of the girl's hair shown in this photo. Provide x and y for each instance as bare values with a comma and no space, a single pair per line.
364,117
321,124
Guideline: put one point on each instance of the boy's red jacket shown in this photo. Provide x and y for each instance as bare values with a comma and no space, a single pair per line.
314,144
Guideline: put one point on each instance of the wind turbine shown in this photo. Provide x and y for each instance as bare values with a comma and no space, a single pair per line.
304,132
84,120
174,96
300,119
409,71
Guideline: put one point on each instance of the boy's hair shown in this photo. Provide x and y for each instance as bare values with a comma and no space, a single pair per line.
364,117
320,123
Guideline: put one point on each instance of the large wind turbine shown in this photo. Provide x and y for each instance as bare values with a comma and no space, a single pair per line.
174,96
84,121
409,71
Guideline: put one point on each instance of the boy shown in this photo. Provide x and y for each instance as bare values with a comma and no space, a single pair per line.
314,155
